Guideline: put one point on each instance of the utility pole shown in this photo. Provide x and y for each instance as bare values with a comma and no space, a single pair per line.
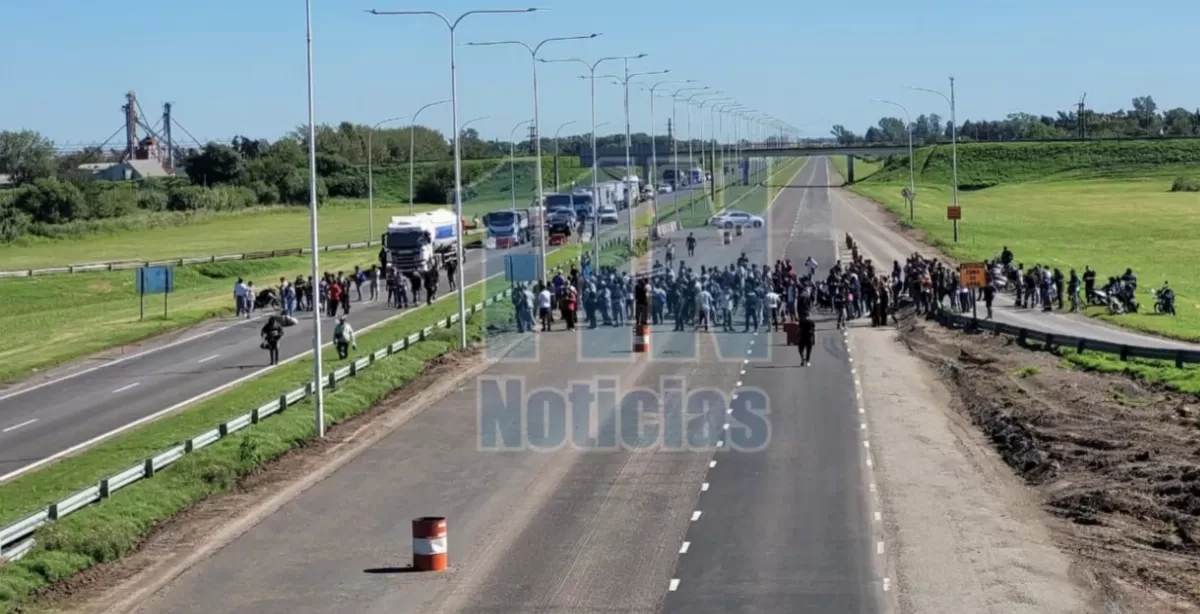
167,135
1081,125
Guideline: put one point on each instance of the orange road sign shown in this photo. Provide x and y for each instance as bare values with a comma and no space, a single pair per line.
972,274
953,213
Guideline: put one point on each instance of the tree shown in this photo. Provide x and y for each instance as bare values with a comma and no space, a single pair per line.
215,164
26,155
893,129
51,201
843,136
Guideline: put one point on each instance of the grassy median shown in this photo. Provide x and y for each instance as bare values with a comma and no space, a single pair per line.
112,529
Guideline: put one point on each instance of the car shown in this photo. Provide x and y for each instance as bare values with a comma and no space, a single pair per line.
731,219
665,189
608,215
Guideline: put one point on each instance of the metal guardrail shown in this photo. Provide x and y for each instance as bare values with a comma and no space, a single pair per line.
122,265
17,539
1079,344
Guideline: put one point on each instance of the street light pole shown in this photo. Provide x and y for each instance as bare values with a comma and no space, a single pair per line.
512,167
953,143
556,133
318,394
595,161
371,178
675,139
537,133
654,138
691,155
912,182
412,152
452,26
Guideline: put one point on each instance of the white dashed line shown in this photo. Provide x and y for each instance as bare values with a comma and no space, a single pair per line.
712,464
729,411
862,427
704,487
726,427
695,515
866,444
674,585
124,388
684,548
739,384
202,360
878,547
887,584
17,426
872,487
878,518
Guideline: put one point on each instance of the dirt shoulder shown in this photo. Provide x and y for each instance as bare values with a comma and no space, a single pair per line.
1108,510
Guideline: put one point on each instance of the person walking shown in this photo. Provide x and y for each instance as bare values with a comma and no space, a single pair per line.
545,301
272,332
807,338
343,338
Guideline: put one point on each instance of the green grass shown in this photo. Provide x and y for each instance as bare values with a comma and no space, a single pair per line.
1185,379
496,191
105,532
1109,217
863,168
56,318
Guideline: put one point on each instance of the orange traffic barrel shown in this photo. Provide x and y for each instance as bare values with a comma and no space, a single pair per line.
641,339
727,238
429,544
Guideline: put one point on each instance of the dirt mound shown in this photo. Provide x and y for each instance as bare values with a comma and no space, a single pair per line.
1117,460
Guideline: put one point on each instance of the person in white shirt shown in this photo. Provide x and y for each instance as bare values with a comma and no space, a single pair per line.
703,309
773,304
811,265
545,301
239,296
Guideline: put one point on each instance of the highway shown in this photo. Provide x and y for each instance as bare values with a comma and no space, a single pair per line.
738,519
47,416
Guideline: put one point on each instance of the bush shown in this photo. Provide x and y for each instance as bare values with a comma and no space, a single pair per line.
108,204
294,188
189,198
265,193
14,223
348,185
1186,183
152,200
52,201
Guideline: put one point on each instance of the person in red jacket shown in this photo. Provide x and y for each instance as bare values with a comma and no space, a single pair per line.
334,298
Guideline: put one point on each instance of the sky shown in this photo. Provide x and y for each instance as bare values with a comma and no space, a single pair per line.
239,67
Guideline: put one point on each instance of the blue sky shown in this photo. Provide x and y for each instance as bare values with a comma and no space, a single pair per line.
238,67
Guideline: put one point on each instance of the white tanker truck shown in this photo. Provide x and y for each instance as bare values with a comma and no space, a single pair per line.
417,243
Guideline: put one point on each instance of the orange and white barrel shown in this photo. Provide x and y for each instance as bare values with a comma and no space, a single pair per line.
429,544
641,339
726,237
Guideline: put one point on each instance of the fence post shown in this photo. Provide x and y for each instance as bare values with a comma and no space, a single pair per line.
1179,359
105,491
254,418
149,470
332,380
354,369
283,404
1124,352
1049,341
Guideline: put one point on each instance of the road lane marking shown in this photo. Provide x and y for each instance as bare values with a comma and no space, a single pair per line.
878,547
695,515
684,548
726,427
124,388
203,360
878,517
887,584
704,487
17,426
712,464
674,585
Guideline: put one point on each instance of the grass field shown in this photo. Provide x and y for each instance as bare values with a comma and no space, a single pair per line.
1105,205
111,530
862,168
53,319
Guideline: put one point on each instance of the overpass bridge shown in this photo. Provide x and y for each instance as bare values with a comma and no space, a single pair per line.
641,156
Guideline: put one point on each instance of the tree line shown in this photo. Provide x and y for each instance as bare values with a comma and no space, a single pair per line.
1143,120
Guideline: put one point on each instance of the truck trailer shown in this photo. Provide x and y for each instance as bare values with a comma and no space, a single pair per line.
423,241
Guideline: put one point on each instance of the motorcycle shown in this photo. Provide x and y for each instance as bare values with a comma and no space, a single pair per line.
1164,301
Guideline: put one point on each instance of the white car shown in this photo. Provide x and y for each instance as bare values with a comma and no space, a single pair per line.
731,219
664,189
608,215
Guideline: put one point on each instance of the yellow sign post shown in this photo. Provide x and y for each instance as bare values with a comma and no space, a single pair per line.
973,275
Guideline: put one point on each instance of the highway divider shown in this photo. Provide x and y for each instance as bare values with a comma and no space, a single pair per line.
122,265
1057,341
18,539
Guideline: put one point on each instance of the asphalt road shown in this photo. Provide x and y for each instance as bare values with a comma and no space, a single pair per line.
576,528
47,416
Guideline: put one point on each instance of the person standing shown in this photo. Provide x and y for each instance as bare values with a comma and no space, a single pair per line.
345,284
343,338
239,297
545,301
807,338
989,295
451,269
272,332
333,297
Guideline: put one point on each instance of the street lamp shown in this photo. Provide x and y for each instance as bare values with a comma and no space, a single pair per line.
371,178
452,26
675,141
953,142
595,160
537,133
912,182
691,141
556,133
629,189
318,395
712,188
654,138
412,152
512,167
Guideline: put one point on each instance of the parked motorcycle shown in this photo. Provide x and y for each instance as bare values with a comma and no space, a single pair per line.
1164,301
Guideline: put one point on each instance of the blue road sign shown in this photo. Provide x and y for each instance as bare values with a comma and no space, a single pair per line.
521,267
155,280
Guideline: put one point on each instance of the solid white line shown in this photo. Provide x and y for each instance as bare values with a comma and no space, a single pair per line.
674,584
209,358
712,464
17,426
704,487
684,548
124,388
695,515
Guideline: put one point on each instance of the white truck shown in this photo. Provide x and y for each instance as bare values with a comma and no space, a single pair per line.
420,242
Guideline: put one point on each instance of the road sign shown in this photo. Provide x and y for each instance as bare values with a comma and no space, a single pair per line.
953,213
972,274
521,267
154,280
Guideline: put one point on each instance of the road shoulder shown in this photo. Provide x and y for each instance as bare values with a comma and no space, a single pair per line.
963,534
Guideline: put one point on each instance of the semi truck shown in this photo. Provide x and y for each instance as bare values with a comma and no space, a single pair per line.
507,228
423,241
